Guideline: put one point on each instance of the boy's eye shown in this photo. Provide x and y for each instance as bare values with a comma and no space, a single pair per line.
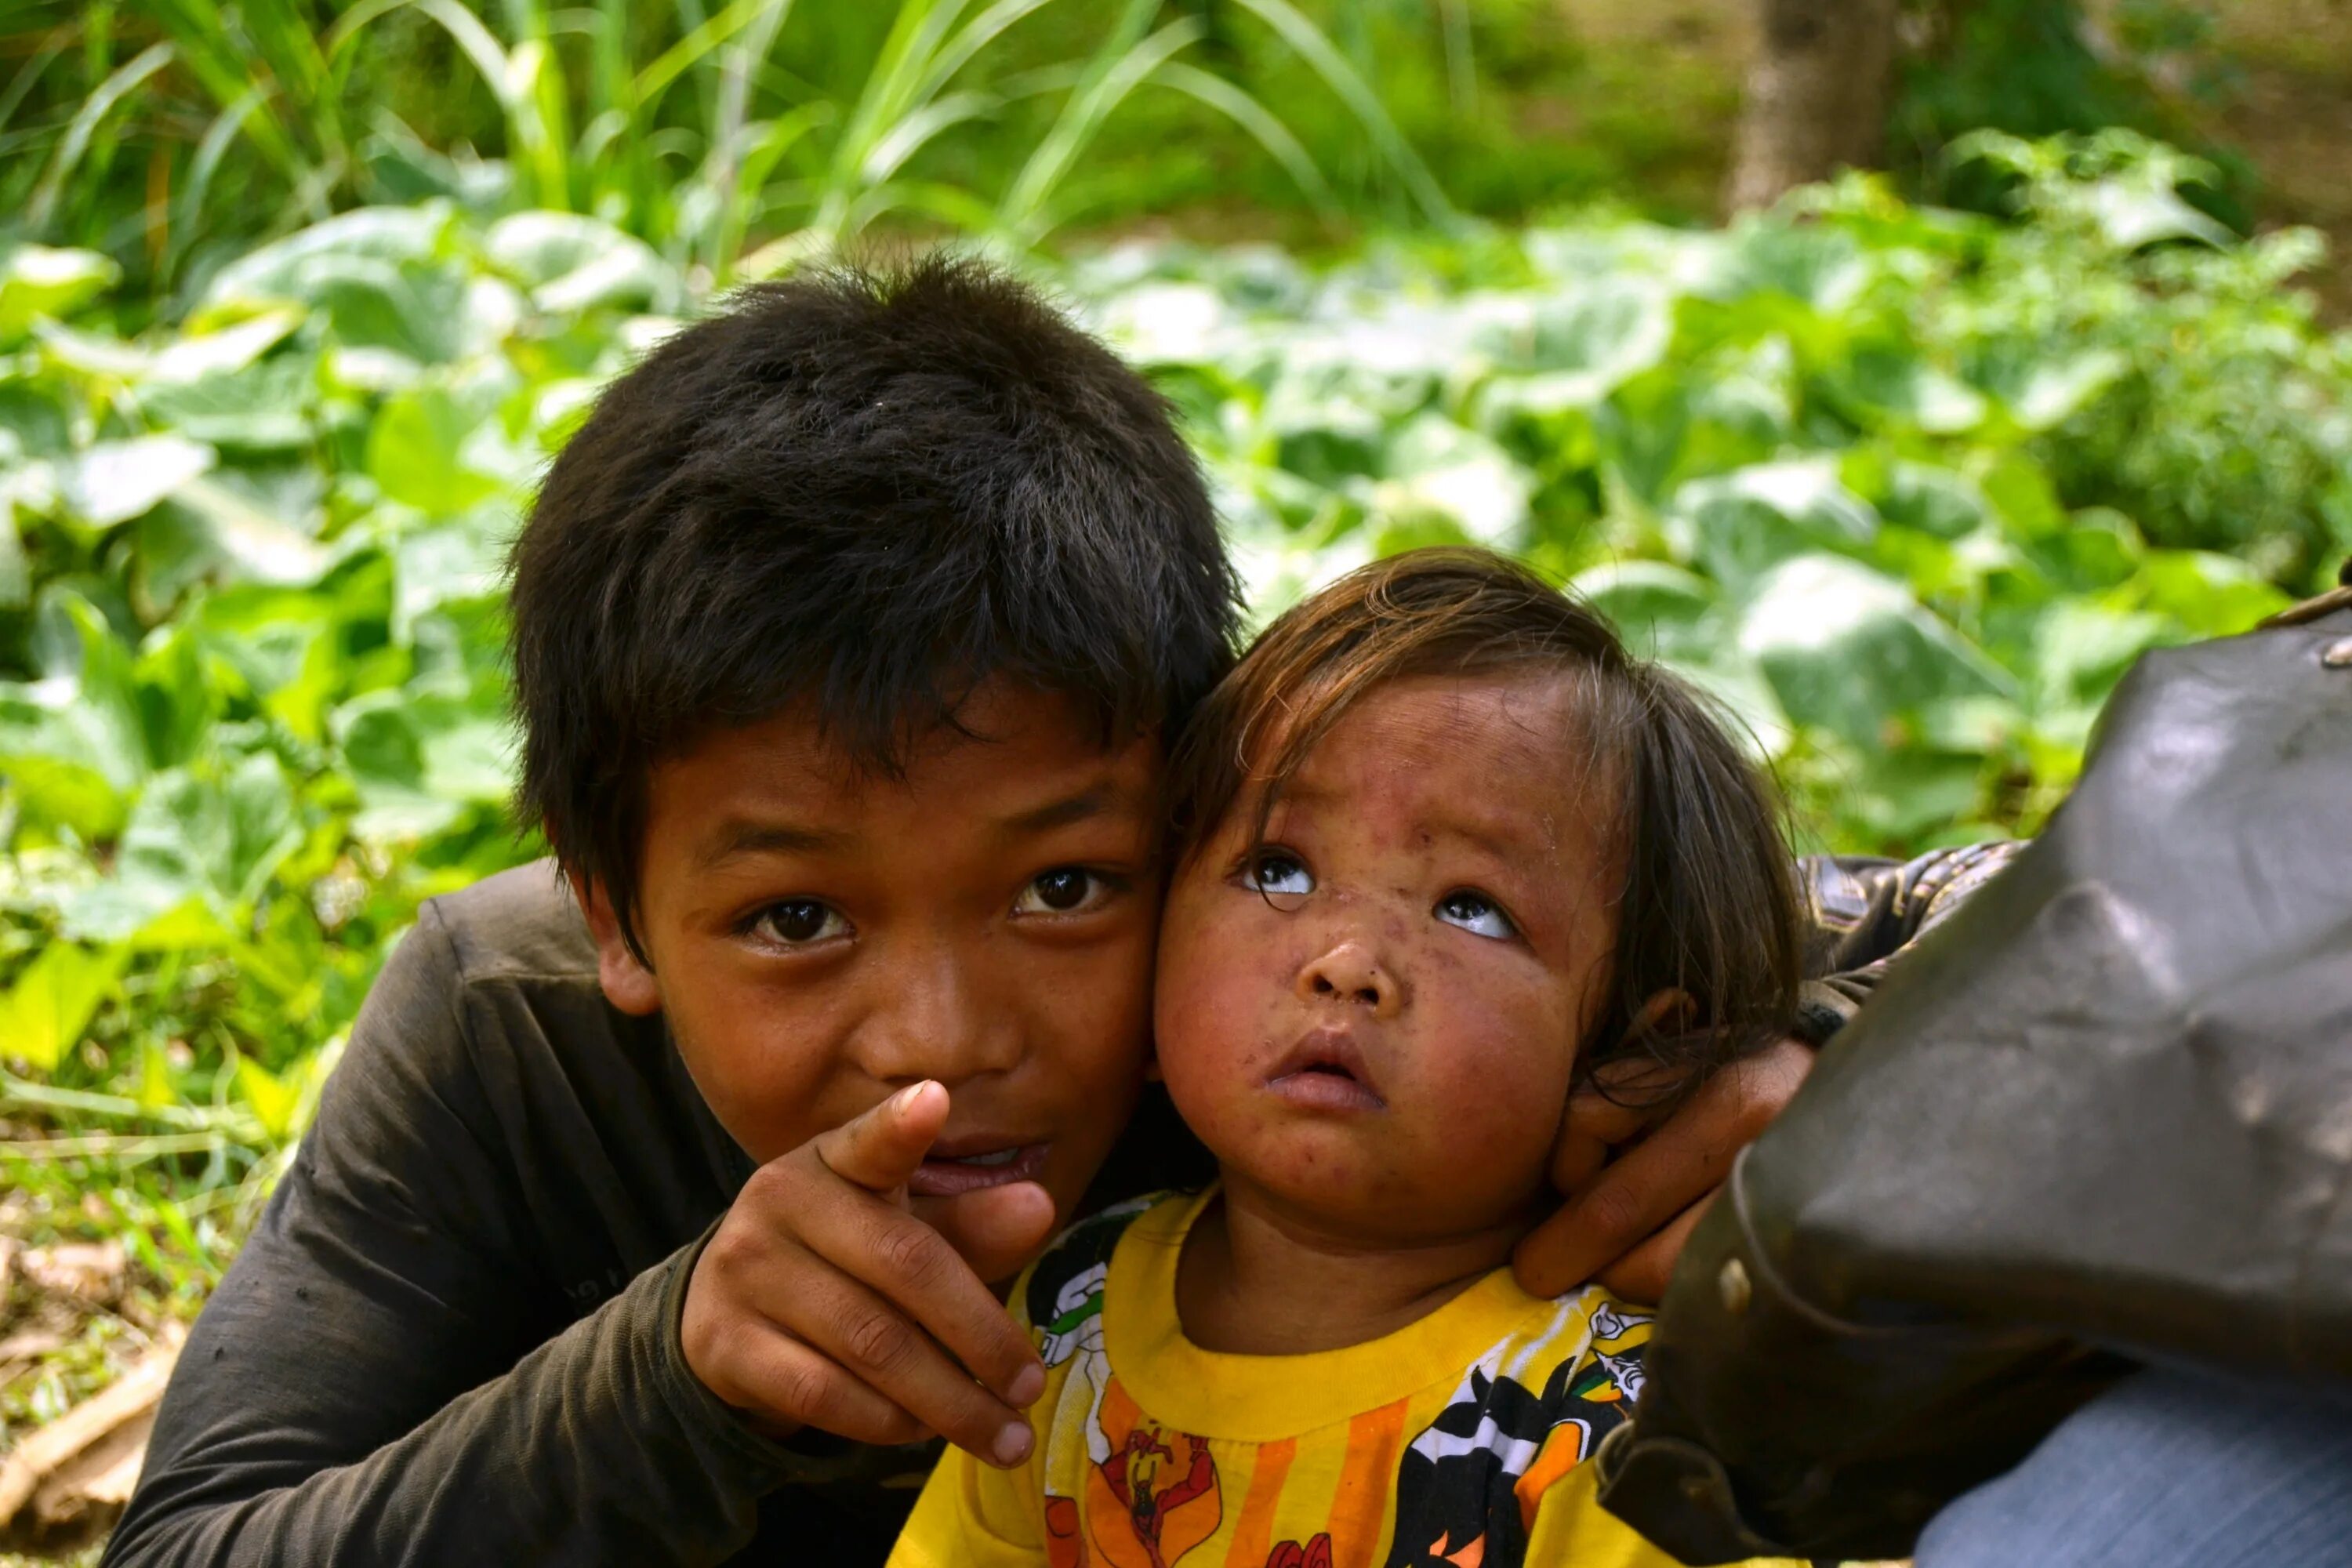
1277,873
797,923
1064,890
1475,913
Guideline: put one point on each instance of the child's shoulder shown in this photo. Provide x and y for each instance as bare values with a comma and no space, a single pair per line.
1064,1286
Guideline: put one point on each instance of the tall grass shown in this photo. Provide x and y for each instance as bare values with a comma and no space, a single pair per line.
702,131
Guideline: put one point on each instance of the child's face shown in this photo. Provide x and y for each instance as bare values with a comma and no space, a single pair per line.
1374,1019
821,937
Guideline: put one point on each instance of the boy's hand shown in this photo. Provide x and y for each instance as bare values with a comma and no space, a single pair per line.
1627,1218
823,1302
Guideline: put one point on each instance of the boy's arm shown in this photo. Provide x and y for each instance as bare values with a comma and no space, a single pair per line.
352,1394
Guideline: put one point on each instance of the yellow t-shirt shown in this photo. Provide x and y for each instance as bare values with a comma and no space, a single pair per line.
1459,1440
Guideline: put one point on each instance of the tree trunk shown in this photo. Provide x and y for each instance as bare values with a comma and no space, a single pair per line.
1816,98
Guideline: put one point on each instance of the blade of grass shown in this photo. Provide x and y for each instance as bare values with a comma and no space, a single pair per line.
893,88
1124,60
71,147
228,1120
748,189
22,82
203,167
1263,127
1309,44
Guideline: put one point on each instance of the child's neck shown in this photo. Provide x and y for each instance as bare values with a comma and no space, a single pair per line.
1258,1277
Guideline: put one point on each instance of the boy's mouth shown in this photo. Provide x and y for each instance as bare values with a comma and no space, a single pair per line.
1325,1071
966,1166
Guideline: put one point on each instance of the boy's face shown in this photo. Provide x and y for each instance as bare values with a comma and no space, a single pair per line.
1373,1017
821,936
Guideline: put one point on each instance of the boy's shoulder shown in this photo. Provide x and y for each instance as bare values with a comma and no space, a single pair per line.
521,923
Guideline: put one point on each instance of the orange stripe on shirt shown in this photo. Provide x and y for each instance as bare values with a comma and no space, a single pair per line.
1253,1531
1562,1451
1366,1484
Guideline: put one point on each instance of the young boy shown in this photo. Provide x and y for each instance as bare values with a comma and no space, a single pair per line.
1445,848
845,633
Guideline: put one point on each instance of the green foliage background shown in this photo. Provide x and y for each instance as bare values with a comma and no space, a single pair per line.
1909,486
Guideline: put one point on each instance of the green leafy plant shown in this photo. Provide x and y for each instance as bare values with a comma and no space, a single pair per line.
1908,488
691,130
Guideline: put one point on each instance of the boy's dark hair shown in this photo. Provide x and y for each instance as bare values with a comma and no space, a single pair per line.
1709,905
870,492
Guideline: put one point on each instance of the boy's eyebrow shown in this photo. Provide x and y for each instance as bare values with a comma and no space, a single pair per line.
1092,801
740,835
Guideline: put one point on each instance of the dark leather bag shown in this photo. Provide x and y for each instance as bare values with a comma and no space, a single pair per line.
2107,1103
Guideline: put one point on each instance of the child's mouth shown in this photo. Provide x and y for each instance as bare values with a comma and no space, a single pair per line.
959,1166
1325,1071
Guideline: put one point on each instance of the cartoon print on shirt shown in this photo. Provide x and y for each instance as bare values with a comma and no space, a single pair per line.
1467,1485
1064,1302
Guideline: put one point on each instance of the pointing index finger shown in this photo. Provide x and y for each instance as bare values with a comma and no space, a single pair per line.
881,1149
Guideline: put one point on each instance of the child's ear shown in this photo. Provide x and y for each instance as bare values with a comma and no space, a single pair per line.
628,983
1669,1010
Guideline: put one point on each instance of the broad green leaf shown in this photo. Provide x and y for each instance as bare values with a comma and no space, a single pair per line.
1849,650
289,268
75,743
270,1098
416,452
268,406
439,565
205,837
1436,466
1894,386
218,528
2134,213
1656,607
385,754
193,356
1740,525
42,1013
116,480
571,264
37,281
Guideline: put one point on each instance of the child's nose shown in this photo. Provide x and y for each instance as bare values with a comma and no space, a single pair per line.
1350,971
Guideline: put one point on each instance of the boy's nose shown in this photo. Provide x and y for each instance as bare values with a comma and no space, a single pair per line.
1349,971
934,1021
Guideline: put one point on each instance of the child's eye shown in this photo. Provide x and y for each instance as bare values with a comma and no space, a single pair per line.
1277,873
1064,890
1473,911
798,922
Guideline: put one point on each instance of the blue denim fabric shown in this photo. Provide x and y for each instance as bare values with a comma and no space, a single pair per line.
2167,1469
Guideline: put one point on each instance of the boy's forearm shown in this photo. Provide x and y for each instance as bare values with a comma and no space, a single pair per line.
597,1448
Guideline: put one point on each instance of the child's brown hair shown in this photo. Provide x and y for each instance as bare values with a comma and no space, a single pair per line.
1709,905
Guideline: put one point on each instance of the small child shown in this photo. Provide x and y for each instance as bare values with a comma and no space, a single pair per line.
1442,848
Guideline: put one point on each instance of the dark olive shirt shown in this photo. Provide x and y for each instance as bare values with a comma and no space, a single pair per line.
453,1338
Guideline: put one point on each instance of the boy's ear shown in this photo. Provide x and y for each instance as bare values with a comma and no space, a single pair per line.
628,983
